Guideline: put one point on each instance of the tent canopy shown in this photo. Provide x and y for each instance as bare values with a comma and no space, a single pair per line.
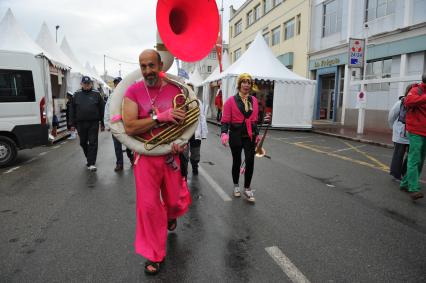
260,62
14,39
76,66
195,78
46,41
216,75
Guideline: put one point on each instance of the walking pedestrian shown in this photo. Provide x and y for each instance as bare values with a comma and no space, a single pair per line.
118,148
415,102
161,196
239,128
398,167
87,110
192,153
218,102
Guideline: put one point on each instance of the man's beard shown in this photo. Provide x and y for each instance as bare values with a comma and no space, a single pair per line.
151,80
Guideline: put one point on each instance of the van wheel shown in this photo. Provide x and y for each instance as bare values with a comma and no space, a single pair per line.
8,151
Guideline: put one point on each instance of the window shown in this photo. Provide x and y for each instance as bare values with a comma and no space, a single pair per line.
212,55
250,18
276,2
238,27
299,23
378,70
257,14
276,35
16,86
378,8
248,45
237,54
209,69
266,37
331,19
267,6
289,29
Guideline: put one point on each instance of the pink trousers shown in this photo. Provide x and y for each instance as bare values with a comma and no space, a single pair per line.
161,194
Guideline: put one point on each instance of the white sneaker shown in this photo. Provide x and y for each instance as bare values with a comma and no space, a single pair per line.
249,194
237,192
92,168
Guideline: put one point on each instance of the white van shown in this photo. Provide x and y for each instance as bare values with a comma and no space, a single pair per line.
22,104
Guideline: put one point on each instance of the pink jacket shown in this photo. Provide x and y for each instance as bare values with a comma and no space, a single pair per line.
232,114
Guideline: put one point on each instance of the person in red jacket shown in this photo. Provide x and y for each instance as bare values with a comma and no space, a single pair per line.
218,103
415,121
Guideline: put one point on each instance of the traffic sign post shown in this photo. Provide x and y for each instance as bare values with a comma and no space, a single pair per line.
357,55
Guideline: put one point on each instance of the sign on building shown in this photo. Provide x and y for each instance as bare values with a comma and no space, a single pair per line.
356,53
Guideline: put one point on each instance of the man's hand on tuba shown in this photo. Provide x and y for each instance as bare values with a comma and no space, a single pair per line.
171,115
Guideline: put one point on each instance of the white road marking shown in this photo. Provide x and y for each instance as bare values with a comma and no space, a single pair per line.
12,169
214,185
349,148
31,160
63,142
42,153
292,272
289,138
55,147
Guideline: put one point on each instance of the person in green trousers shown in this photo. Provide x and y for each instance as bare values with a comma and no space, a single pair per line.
415,102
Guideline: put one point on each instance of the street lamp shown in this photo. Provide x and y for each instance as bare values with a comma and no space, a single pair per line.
57,27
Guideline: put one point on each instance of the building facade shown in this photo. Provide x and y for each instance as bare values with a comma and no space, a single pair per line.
396,56
284,25
205,66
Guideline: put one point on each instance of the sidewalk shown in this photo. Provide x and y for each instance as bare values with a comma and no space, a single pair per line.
370,136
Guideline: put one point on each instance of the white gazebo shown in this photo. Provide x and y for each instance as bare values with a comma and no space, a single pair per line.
208,96
293,97
15,41
77,70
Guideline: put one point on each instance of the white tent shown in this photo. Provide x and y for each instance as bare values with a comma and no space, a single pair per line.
293,94
46,41
195,78
77,70
98,81
214,76
15,40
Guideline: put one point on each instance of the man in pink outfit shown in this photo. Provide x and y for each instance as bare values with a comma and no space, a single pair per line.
161,194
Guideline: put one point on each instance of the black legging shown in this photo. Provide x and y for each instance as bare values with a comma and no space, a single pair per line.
249,151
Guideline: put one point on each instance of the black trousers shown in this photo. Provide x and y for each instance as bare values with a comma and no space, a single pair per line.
398,166
119,152
88,133
249,151
192,153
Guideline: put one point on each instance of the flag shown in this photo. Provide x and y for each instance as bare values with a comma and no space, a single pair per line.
219,47
182,73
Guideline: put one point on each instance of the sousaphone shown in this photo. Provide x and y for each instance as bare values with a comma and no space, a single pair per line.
187,29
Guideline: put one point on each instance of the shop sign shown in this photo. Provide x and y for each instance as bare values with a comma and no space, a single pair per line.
326,63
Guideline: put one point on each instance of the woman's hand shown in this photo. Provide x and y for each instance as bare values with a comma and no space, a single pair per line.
224,139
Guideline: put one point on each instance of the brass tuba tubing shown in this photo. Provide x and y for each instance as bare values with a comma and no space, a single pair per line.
172,132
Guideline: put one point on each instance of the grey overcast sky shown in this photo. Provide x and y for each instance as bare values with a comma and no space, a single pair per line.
120,29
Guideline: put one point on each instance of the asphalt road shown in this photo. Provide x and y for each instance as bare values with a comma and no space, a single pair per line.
326,211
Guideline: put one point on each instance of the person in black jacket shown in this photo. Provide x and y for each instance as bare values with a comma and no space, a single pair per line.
87,110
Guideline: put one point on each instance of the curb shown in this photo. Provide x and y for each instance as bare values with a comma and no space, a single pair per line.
353,139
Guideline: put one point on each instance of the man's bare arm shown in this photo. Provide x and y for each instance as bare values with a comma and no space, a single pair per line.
132,124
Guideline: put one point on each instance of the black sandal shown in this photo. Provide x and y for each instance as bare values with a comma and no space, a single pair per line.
171,224
155,265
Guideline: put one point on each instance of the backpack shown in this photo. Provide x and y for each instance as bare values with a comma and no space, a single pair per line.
402,110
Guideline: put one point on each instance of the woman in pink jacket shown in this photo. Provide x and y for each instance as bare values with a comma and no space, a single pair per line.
239,128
